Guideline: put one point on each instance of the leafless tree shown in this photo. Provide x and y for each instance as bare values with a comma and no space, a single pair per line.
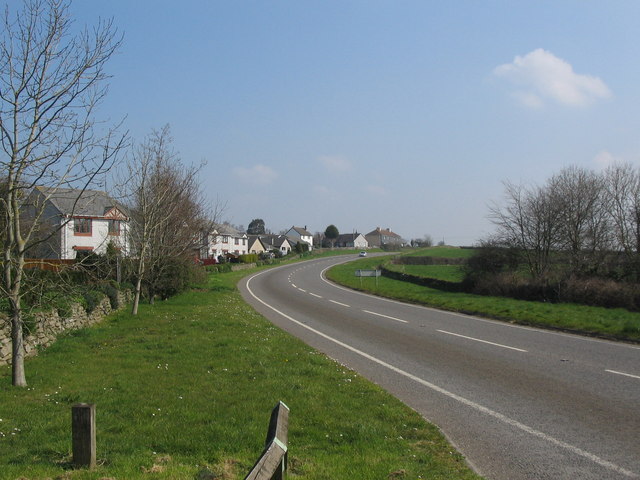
528,222
51,81
169,213
579,196
622,182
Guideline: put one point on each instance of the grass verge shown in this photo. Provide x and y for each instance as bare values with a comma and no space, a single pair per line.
615,323
184,391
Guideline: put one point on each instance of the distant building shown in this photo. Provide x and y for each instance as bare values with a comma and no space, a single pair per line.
352,240
301,234
75,221
223,240
380,237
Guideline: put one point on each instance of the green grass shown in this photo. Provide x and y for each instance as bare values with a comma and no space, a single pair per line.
608,322
450,273
188,385
444,251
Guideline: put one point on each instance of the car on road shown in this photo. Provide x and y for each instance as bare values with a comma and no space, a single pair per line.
362,254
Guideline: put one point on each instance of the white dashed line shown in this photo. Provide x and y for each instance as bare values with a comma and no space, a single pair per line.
483,341
341,304
385,316
624,374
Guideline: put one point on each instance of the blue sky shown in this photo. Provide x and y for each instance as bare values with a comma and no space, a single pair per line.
400,114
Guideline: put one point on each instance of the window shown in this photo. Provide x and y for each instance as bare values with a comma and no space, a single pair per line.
237,241
225,239
114,227
82,226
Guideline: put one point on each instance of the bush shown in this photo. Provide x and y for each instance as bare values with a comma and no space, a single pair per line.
92,299
249,258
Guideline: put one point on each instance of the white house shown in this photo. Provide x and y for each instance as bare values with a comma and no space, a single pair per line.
352,240
301,234
77,221
277,243
223,240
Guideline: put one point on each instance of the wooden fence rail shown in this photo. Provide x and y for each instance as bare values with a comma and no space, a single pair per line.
272,464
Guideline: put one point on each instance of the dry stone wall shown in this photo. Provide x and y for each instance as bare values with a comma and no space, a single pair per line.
48,325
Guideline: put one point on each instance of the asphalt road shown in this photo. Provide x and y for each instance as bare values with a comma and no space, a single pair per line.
519,403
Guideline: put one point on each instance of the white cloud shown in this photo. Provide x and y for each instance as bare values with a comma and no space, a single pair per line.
540,76
603,159
256,175
335,163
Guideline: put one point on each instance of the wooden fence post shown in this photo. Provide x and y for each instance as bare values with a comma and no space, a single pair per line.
83,433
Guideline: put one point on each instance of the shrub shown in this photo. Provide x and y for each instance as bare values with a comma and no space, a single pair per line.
249,258
92,299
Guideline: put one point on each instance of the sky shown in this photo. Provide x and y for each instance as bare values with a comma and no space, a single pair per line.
404,114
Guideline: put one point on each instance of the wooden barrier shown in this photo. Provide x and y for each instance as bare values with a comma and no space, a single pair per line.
272,464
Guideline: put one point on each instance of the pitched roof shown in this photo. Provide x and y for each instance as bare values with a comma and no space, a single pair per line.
347,237
87,203
301,231
381,231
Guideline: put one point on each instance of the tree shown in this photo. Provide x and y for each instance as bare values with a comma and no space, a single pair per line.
51,80
332,234
530,223
583,222
167,212
256,227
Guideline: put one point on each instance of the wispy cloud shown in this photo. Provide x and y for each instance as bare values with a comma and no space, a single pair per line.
256,175
335,163
540,76
603,159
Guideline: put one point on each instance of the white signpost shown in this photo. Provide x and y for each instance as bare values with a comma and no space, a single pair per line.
368,273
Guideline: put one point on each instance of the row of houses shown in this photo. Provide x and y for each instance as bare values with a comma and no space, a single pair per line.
89,220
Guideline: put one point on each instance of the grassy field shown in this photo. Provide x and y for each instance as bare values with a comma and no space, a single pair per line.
614,323
186,388
450,273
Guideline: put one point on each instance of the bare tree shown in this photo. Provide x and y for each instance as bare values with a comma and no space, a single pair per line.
579,195
529,222
168,211
51,81
623,205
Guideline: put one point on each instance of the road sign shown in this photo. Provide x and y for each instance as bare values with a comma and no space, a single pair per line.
368,273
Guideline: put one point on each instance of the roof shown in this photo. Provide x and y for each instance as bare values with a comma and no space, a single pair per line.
385,232
226,229
347,237
83,203
301,231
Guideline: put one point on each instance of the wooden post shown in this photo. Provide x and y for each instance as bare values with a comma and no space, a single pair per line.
83,432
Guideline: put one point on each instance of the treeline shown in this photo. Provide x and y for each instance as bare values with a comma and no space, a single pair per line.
575,238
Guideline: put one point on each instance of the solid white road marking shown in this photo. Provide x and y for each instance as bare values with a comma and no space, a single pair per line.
622,373
476,406
482,341
338,303
385,316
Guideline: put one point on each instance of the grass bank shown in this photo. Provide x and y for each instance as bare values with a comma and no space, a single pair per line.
186,388
615,323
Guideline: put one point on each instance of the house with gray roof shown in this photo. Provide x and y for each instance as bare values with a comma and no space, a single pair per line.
351,240
76,221
301,234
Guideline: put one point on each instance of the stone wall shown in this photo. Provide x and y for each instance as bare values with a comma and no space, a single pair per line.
48,325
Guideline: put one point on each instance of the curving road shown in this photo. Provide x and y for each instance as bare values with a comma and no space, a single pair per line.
519,403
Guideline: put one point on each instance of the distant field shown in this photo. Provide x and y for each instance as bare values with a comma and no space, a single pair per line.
450,273
445,251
